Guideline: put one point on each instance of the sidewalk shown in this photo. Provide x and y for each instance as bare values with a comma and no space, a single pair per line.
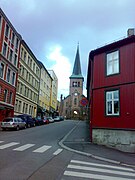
77,140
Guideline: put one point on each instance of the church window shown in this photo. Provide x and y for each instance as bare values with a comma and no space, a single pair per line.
75,101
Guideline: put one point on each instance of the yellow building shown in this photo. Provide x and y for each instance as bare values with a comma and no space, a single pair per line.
28,82
44,92
54,92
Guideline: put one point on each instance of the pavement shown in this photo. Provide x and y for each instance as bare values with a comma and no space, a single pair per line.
77,140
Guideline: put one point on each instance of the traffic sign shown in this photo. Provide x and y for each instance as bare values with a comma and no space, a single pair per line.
84,102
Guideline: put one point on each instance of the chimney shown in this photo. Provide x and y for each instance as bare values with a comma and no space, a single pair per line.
131,32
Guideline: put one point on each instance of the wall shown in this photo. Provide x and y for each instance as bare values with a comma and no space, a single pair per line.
119,139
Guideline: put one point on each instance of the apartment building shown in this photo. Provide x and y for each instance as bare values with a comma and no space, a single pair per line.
54,92
44,92
27,94
9,61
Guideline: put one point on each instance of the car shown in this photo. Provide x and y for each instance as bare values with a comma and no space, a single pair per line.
45,120
57,118
38,121
50,119
13,123
28,119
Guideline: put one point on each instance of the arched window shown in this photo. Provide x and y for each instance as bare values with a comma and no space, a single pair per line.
78,84
73,84
75,101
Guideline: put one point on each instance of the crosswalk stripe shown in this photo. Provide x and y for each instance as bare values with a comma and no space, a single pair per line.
101,165
57,151
8,145
24,147
93,176
1,141
101,170
42,149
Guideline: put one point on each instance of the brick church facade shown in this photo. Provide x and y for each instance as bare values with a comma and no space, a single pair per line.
70,106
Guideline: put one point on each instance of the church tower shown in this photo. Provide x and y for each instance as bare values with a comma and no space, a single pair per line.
70,106
76,87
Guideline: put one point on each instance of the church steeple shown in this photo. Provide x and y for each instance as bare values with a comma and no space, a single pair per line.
77,66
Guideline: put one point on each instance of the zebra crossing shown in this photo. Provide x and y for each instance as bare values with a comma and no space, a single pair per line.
25,147
82,169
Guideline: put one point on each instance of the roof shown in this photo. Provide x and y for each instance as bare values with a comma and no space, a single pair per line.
112,46
77,66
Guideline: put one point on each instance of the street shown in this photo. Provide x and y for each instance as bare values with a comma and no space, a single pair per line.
35,154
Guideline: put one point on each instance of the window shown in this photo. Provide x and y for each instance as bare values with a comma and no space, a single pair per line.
112,63
10,98
13,38
7,30
0,21
112,103
17,42
75,101
15,60
5,95
8,75
4,49
13,78
24,58
1,70
11,55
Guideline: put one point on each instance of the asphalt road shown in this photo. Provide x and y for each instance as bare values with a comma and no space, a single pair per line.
35,154
24,152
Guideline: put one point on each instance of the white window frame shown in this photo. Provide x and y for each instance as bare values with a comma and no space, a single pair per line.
111,100
3,72
112,63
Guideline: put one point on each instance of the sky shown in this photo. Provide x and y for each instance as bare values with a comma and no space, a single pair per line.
53,28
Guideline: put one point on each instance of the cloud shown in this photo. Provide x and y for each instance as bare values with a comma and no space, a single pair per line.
62,68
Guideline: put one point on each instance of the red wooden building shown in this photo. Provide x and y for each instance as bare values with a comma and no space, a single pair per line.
9,61
111,93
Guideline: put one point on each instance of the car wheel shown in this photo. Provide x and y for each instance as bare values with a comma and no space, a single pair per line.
3,129
28,125
25,127
17,128
34,124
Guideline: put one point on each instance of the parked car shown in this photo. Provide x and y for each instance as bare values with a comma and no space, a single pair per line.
38,121
28,119
13,123
50,119
45,120
57,118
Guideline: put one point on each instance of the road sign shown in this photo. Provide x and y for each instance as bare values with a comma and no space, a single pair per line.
84,102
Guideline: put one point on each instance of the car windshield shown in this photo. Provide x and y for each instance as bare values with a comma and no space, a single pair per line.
8,120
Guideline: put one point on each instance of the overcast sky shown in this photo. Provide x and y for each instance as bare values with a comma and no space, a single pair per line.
53,28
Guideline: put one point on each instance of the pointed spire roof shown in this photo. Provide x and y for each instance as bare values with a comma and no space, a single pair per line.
77,66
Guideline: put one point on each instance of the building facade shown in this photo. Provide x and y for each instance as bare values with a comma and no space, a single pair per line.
54,93
111,92
44,92
9,61
27,94
70,106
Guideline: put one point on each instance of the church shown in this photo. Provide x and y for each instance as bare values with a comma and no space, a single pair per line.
71,106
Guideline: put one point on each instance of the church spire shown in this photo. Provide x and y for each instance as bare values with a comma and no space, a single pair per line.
77,66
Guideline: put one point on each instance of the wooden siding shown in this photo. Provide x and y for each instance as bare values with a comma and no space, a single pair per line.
127,68
126,119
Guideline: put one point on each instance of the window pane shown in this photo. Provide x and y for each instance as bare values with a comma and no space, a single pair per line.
109,107
112,63
116,107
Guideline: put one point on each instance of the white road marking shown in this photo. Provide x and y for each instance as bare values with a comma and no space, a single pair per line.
101,170
101,165
93,176
58,151
1,141
42,149
24,147
8,145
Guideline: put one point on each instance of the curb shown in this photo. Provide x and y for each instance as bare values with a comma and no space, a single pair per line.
61,143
